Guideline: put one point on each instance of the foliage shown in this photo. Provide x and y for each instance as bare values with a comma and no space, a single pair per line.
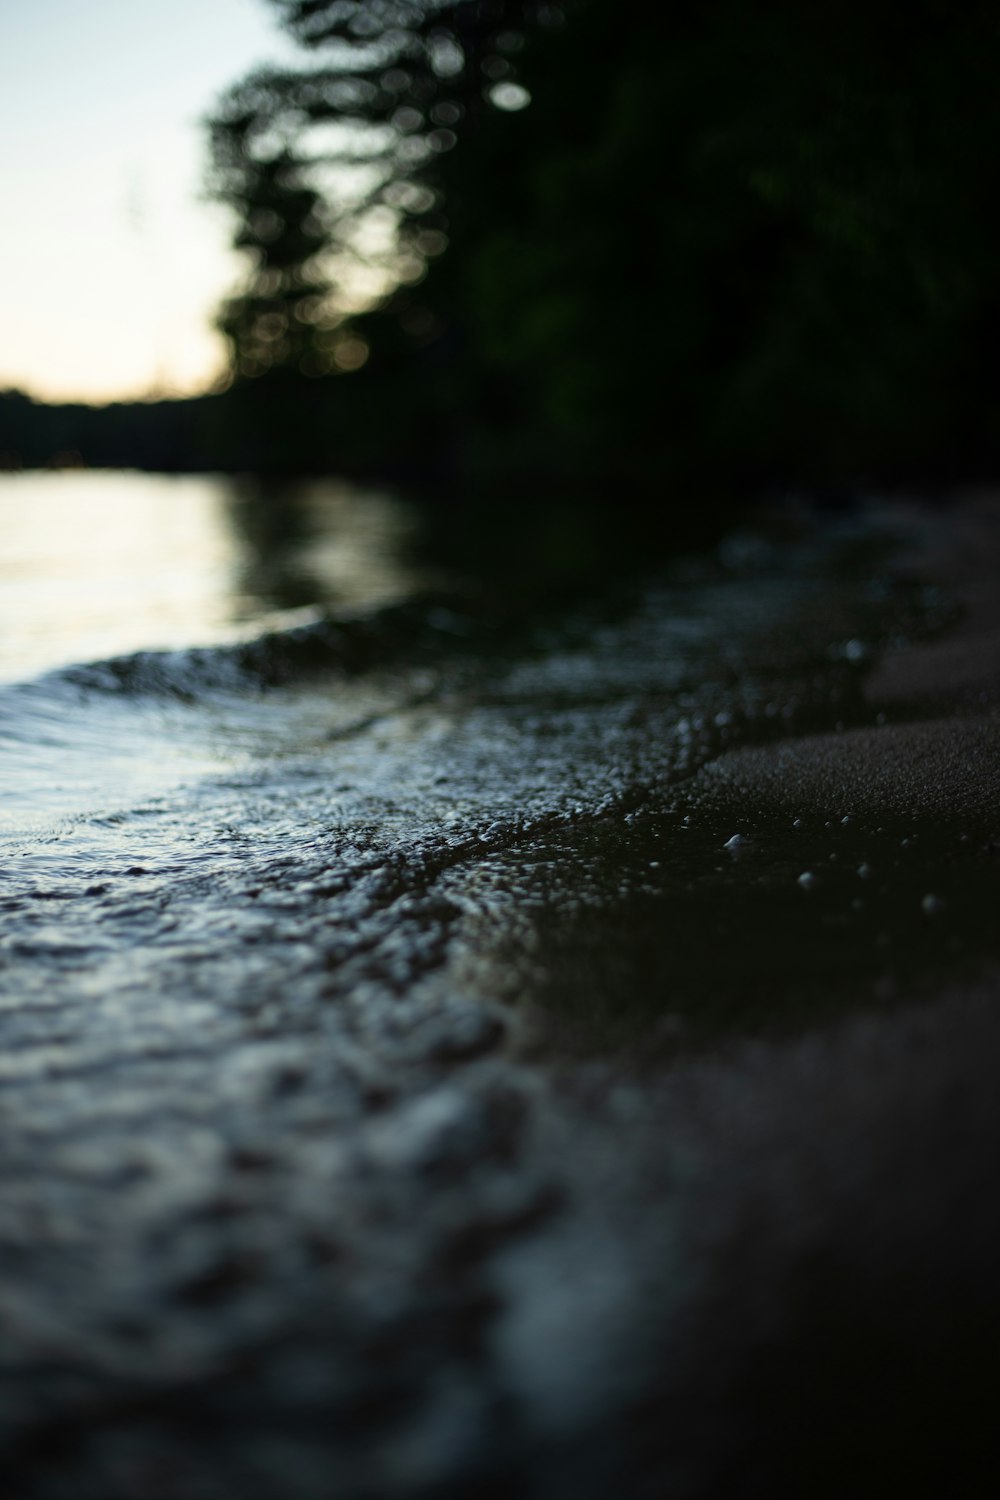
759,240
277,320
333,171
530,241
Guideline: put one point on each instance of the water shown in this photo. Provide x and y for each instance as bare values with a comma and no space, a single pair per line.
100,564
99,567
321,845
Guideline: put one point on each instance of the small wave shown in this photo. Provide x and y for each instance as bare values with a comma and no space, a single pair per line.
104,734
346,645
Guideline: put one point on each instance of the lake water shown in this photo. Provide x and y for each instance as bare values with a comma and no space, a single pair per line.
99,564
308,812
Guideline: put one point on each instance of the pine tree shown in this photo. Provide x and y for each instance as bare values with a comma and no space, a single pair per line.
334,172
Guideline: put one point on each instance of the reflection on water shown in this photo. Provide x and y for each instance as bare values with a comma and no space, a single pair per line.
97,564
318,542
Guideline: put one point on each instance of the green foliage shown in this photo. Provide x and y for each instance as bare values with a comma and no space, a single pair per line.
277,321
333,171
755,240
766,240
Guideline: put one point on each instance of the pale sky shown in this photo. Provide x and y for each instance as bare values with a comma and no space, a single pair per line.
110,266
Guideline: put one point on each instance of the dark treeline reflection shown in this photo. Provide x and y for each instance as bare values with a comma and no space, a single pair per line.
279,531
306,542
493,240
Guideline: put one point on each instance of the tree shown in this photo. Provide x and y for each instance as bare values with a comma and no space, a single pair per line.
333,171
755,240
278,321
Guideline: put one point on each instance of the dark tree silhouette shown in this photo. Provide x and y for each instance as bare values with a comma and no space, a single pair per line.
334,171
748,243
277,321
756,240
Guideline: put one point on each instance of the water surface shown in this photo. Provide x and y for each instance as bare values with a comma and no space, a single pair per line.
303,831
99,564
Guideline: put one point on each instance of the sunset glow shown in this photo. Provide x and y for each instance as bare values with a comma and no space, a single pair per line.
111,262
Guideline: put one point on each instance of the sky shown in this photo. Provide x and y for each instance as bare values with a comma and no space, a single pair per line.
111,262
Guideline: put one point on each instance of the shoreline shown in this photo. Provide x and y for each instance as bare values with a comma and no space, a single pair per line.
285,1171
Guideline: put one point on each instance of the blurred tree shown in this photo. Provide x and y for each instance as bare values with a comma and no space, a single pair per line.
277,320
759,240
333,171
756,238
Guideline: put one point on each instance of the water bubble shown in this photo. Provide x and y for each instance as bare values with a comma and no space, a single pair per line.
797,823
807,879
865,871
736,843
930,905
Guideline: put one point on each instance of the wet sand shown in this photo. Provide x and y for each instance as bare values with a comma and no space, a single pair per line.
844,1327
787,1245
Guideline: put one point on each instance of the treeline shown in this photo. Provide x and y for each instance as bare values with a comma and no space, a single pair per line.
167,435
755,242
277,429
